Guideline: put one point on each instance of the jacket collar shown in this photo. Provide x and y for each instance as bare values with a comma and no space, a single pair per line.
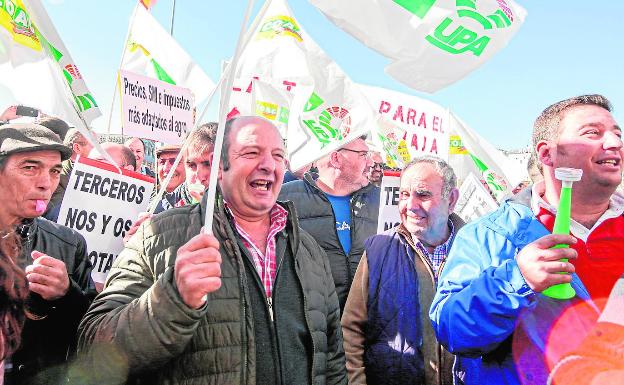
307,178
223,222
457,222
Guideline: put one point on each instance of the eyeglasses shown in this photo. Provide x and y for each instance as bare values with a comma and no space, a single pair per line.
377,166
361,153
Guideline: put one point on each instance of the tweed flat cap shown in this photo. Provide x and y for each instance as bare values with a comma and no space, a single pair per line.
26,137
168,148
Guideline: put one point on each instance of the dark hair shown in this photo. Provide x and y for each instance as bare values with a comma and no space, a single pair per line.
13,291
128,157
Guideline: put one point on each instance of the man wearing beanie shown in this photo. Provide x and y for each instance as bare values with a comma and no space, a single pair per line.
54,257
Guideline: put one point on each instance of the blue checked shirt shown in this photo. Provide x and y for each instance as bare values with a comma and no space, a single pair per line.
439,253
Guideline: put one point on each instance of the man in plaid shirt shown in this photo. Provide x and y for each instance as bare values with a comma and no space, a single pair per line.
388,338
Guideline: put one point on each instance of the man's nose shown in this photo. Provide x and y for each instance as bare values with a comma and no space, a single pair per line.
612,141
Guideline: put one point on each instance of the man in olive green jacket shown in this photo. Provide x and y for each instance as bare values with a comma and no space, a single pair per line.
184,308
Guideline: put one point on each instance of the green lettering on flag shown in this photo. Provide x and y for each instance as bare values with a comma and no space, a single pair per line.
418,7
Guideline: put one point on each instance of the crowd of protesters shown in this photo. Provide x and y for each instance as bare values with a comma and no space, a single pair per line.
293,285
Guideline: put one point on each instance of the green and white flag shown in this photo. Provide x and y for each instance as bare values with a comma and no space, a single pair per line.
152,52
327,109
500,173
432,43
36,67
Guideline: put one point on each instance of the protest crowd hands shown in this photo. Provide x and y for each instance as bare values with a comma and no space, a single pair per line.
198,269
540,265
9,114
135,226
47,276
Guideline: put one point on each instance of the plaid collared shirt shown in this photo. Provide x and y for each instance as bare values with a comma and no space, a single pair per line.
439,253
265,262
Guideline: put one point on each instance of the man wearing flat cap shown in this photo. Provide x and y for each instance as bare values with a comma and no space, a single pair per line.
54,257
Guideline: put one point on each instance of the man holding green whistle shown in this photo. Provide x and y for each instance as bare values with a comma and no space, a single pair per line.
489,308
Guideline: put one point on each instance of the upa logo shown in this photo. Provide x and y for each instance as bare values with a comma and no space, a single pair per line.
333,123
276,26
453,37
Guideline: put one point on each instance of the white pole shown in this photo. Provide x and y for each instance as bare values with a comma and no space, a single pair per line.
123,55
230,72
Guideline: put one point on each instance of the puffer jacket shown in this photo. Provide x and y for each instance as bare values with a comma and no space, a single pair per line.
141,317
485,312
316,216
47,343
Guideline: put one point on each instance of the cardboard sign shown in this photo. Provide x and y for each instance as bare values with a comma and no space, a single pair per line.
474,200
152,109
389,202
101,204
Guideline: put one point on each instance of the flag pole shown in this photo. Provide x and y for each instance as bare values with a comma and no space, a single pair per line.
225,101
123,55
172,18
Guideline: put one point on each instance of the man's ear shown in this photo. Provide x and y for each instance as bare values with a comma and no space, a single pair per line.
334,159
453,198
544,151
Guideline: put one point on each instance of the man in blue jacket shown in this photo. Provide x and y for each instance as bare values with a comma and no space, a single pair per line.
488,308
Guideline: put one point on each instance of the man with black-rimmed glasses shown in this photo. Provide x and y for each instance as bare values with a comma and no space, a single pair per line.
339,209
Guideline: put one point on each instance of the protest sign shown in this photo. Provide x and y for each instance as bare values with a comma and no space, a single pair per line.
101,204
474,200
410,126
152,109
389,202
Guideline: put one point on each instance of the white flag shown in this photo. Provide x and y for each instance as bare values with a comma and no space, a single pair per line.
37,68
327,110
409,126
152,52
500,173
432,43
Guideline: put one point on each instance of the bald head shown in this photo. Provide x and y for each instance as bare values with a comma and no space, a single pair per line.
232,126
138,149
122,155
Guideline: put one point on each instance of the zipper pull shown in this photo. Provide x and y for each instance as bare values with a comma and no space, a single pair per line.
270,303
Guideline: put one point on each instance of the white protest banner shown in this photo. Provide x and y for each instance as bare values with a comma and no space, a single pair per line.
152,109
389,201
432,43
36,67
332,113
422,124
101,204
474,200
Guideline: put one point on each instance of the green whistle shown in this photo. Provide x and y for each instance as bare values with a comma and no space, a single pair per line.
567,176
